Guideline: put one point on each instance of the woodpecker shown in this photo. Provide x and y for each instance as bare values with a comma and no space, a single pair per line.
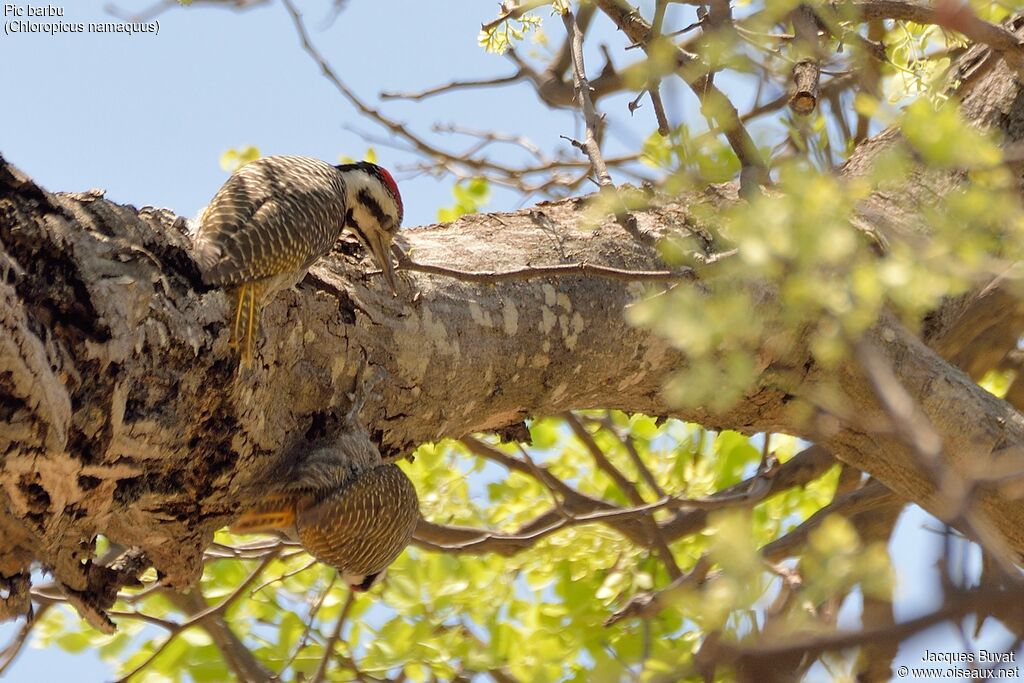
357,522
275,216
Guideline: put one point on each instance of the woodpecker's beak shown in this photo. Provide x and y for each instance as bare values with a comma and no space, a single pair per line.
380,247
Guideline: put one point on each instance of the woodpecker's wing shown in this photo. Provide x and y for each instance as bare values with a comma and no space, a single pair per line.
273,216
363,526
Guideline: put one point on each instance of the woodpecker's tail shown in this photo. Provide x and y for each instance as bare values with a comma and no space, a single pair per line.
248,303
272,513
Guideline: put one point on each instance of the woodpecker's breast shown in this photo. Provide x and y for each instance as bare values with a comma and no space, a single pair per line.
362,526
272,219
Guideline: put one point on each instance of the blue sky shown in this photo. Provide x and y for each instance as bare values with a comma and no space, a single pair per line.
147,117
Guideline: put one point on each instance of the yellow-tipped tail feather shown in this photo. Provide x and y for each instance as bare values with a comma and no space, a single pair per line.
248,302
276,512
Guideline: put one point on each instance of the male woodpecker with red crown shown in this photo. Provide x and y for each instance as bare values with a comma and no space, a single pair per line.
276,216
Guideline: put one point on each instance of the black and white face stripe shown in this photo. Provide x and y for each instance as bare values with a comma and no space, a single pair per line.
371,205
373,211
366,182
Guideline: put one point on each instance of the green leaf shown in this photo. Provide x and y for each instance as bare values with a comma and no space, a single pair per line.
234,159
75,642
469,196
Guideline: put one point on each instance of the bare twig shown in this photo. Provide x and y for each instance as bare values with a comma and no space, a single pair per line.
871,496
590,116
979,601
13,648
559,270
332,640
282,577
654,87
314,611
451,162
235,654
453,85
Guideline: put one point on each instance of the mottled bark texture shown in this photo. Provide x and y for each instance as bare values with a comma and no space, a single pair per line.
121,412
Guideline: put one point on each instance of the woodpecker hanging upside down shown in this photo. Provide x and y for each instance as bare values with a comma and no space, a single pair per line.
356,522
340,501
276,216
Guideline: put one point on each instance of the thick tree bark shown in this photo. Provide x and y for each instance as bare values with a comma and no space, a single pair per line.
121,412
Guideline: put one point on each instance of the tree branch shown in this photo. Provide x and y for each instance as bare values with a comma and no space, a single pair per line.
590,115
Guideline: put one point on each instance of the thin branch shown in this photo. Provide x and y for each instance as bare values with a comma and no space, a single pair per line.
978,601
254,550
559,270
284,576
690,517
539,476
235,654
165,624
458,539
332,640
867,499
601,460
629,443
453,85
228,599
314,611
871,496
540,472
149,660
239,659
494,136
832,87
647,605
627,487
654,87
14,648
513,10
449,161
590,116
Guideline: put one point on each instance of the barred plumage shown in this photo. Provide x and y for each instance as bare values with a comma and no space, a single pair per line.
276,216
362,526
358,523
